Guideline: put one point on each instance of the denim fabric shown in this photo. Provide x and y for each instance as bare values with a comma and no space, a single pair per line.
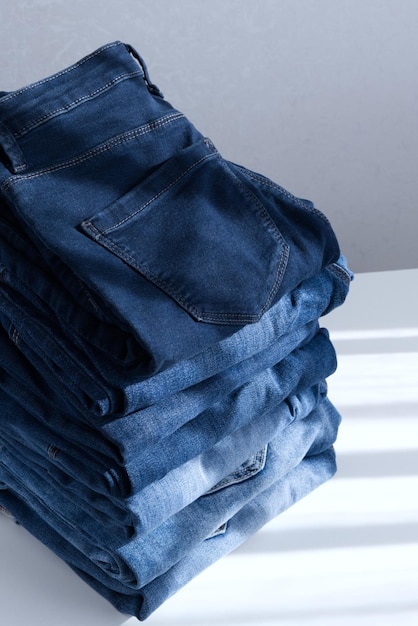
92,504
39,401
297,483
89,466
303,479
304,367
162,369
142,559
190,480
61,295
99,391
151,506
136,184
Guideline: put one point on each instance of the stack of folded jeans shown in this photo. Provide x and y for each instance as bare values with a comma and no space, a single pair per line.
162,366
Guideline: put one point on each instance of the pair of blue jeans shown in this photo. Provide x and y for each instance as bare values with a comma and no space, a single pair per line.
136,182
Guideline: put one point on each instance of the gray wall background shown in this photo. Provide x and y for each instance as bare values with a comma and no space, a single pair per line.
320,95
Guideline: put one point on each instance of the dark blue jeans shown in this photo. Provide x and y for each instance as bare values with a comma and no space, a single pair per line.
96,388
106,178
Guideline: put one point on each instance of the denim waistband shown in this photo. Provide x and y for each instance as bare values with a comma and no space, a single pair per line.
29,108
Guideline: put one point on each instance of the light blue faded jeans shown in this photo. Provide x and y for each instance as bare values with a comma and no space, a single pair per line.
311,472
131,565
84,467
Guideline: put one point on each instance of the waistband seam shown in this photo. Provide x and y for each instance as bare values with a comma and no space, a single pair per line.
101,148
71,105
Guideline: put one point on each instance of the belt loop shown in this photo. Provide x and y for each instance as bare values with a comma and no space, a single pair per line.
12,151
151,87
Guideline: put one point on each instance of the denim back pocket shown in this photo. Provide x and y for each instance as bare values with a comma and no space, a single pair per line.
195,231
251,467
246,470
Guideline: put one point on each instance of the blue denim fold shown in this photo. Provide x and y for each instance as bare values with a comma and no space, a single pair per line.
148,508
74,462
309,474
92,394
142,559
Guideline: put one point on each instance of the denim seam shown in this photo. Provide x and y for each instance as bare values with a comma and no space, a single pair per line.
73,67
88,295
245,471
15,336
121,251
71,105
100,149
14,155
273,228
340,272
144,206
269,183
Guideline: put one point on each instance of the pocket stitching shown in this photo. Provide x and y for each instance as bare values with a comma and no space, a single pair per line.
262,180
245,471
100,236
158,195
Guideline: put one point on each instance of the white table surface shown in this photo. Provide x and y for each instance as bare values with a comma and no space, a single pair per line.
345,555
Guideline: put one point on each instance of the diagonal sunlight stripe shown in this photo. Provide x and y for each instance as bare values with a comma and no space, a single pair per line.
384,379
